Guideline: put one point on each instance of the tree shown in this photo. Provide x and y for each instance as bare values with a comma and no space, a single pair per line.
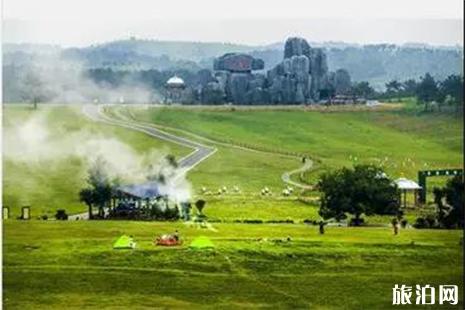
427,90
409,87
100,187
362,190
33,89
86,195
393,87
455,198
362,89
200,204
451,90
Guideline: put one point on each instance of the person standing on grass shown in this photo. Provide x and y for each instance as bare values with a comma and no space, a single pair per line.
322,227
395,226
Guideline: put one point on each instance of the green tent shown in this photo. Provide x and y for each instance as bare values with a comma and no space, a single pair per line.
202,242
124,242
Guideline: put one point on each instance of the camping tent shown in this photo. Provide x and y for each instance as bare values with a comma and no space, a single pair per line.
202,242
124,242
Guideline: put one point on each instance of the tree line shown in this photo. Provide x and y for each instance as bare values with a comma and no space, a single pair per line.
428,91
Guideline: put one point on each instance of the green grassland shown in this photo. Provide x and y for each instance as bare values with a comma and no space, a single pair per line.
57,265
53,183
66,265
400,140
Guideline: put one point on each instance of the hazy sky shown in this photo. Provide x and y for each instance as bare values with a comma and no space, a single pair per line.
83,22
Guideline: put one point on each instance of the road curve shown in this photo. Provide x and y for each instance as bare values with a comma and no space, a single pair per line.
285,177
200,152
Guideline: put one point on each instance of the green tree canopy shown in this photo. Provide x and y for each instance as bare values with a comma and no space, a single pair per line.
100,187
365,189
427,90
362,89
455,198
451,90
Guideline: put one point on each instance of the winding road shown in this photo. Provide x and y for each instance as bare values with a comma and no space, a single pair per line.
200,153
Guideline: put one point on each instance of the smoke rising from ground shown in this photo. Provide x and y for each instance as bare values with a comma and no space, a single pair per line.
34,142
55,79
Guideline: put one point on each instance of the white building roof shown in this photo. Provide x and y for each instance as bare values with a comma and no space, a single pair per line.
403,183
175,81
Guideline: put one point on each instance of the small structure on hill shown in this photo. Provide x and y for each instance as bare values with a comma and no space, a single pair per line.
405,186
174,88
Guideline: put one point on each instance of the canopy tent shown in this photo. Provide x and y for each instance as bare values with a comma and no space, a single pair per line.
201,243
141,191
130,197
407,185
124,242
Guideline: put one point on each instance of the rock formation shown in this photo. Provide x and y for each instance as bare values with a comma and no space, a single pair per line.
301,78
234,75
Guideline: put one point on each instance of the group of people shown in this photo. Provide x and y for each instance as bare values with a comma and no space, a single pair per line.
168,239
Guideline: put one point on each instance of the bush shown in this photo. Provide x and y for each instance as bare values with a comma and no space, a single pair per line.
253,221
421,223
356,222
432,221
288,221
61,215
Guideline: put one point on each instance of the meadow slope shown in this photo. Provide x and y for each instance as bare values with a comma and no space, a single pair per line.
400,140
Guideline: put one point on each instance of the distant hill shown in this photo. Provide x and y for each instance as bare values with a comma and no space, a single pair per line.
381,63
376,64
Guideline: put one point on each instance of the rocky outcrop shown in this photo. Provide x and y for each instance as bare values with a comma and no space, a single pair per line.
301,78
234,62
301,75
340,80
234,74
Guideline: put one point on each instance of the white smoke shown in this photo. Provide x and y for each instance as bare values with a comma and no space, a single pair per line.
34,142
57,80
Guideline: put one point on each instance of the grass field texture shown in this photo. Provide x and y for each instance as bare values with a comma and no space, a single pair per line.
400,140
56,265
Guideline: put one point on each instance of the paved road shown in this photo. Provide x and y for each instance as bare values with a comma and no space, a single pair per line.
200,152
285,177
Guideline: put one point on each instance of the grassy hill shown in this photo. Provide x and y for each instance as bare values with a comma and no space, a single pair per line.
401,141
